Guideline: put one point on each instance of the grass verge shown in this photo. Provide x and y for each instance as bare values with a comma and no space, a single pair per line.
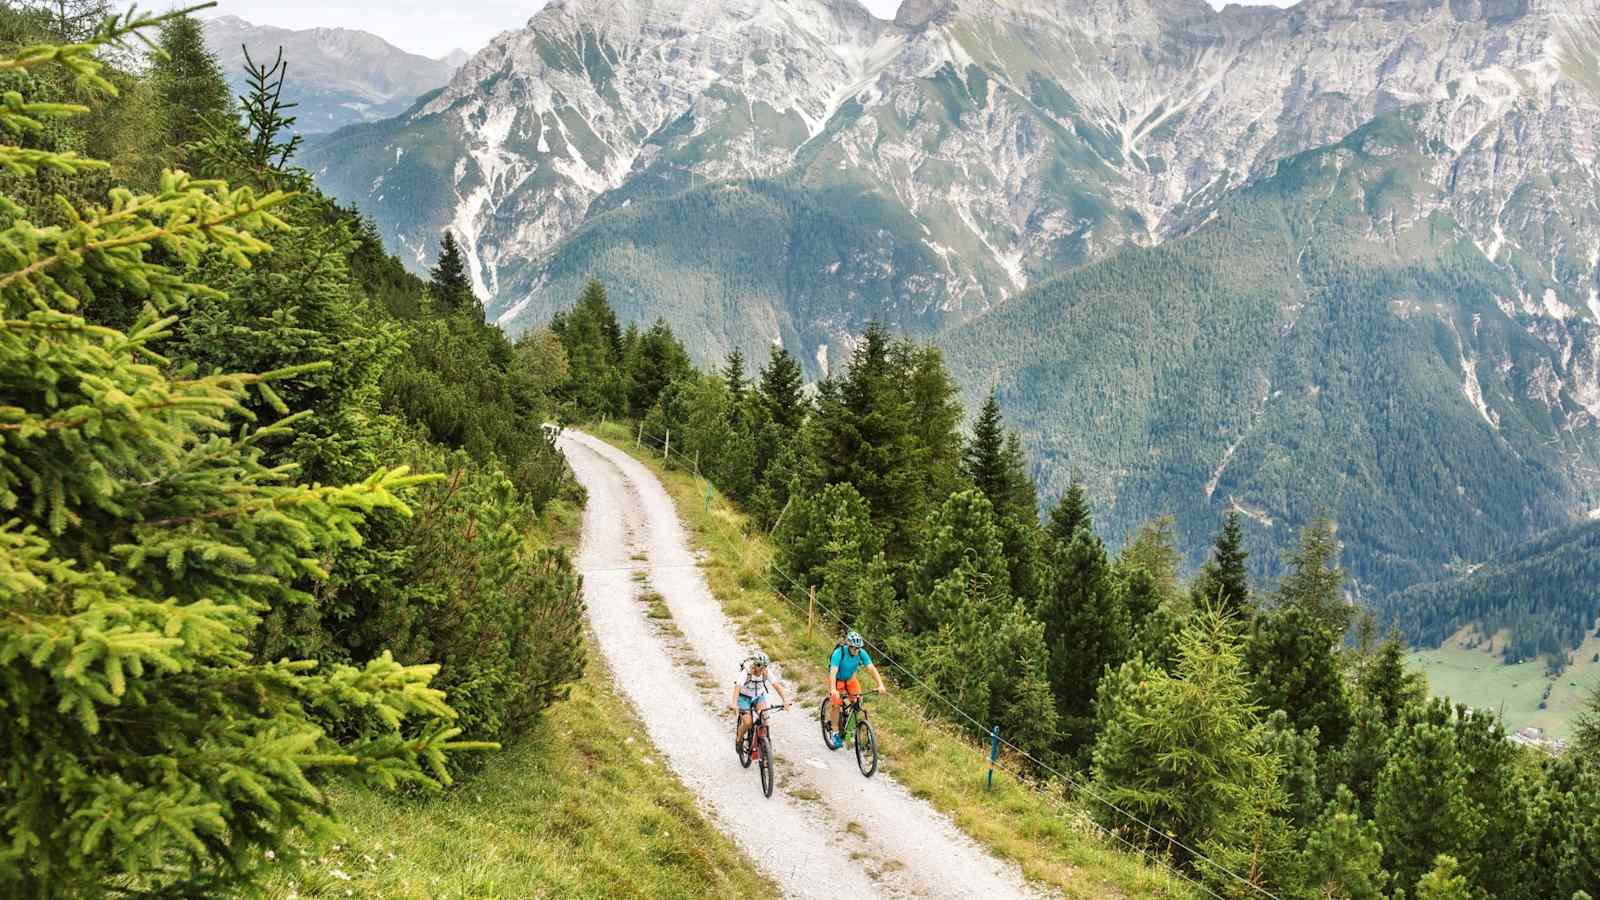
1052,845
582,808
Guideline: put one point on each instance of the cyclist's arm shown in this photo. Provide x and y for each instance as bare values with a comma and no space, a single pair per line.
733,702
873,668
778,686
833,678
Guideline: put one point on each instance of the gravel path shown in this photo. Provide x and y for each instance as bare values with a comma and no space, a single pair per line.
826,831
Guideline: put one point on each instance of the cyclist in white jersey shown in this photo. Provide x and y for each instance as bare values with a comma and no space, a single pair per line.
750,691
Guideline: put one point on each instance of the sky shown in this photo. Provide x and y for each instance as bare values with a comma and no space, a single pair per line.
429,27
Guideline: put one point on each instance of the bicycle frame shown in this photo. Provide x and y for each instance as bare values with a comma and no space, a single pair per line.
758,726
853,712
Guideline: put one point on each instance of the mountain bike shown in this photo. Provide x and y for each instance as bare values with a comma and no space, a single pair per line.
857,731
757,747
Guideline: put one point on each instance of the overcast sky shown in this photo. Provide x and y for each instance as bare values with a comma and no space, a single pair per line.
428,27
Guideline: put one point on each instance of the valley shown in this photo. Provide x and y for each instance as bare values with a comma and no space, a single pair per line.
1468,670
1278,213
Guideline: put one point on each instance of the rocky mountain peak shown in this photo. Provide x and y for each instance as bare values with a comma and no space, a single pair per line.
916,14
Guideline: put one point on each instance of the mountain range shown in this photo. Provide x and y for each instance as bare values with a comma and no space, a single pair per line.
338,76
1339,258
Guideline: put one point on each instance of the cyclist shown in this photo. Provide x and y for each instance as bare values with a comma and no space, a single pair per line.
848,656
750,692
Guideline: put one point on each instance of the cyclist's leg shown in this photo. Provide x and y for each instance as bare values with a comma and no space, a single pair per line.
744,719
853,693
838,708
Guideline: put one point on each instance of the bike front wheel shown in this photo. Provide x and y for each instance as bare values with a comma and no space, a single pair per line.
866,748
826,716
744,749
765,764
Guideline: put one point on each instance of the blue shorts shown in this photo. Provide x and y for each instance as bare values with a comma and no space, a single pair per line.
748,703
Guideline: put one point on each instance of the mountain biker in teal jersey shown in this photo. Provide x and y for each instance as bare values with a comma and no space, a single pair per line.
750,692
847,658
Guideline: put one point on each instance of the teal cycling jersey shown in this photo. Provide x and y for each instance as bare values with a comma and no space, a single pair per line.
848,664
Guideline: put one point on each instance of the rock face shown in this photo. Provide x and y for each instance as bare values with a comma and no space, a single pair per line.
759,171
338,76
1009,139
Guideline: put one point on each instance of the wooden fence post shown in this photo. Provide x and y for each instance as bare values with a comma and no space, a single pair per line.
638,440
811,610
666,449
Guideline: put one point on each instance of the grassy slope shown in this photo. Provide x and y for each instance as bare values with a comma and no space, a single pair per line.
1478,677
1053,845
580,809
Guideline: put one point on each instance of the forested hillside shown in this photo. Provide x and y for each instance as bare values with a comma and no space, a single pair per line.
268,500
1545,594
1252,732
1278,361
1337,258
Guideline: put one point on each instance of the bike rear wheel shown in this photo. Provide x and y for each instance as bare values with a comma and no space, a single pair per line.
866,748
744,746
765,764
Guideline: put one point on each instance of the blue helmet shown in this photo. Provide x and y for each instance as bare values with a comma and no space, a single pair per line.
854,639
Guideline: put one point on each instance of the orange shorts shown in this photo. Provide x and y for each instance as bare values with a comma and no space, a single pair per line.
851,688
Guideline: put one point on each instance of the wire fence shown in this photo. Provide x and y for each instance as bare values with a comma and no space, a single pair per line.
662,444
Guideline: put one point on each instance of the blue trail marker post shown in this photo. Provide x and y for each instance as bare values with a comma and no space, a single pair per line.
994,753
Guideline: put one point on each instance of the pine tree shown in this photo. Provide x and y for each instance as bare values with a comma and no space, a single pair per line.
448,281
1224,578
144,744
1443,881
592,338
733,376
190,90
1024,499
1147,569
1086,629
1297,670
935,423
1314,579
987,656
992,460
823,526
1388,684
1070,514
782,391
657,360
1343,856
962,532
983,457
1498,790
1567,859
1023,543
863,437
1185,751
1422,807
